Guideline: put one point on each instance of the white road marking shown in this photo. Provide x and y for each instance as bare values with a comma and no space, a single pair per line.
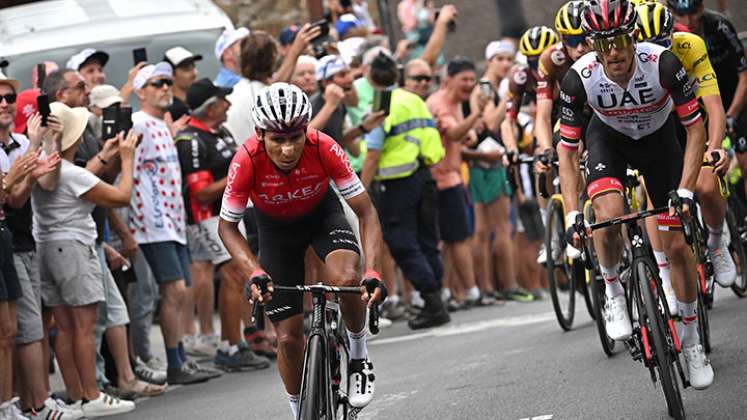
543,417
458,329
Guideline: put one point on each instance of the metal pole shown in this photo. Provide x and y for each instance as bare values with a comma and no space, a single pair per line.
386,21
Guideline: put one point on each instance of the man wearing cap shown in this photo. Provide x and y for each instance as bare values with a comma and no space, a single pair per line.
228,54
90,64
102,96
157,218
183,63
205,151
286,38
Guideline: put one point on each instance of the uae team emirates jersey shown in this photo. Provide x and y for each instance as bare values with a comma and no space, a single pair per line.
287,196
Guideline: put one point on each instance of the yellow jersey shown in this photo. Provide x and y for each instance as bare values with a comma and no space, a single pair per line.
690,49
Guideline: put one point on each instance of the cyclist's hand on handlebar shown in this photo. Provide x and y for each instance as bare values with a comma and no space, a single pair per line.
720,160
681,202
510,157
374,290
259,287
542,165
576,225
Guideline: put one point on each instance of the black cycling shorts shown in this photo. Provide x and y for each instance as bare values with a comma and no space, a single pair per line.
657,156
282,246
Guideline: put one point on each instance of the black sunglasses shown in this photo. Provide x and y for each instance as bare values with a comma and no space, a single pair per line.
9,98
161,82
421,78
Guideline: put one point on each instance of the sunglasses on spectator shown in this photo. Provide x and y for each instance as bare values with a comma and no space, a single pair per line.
573,41
618,42
158,84
421,78
79,86
9,98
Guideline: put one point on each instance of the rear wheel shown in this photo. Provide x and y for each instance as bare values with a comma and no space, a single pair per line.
738,253
560,271
662,347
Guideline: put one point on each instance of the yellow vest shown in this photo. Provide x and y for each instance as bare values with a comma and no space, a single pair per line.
411,135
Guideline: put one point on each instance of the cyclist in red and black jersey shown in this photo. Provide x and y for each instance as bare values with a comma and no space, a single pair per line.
554,63
632,89
286,171
523,80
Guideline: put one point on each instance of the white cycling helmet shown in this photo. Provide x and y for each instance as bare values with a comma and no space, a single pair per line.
281,108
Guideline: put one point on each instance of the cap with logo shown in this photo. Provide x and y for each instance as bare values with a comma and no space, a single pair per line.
203,90
330,65
89,54
25,107
104,96
150,71
179,55
227,38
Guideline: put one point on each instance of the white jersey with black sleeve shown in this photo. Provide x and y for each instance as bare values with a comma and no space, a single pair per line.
659,82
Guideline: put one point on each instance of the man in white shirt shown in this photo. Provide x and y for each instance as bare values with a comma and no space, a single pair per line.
157,216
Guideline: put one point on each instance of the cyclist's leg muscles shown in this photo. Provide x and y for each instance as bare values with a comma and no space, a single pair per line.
335,243
605,170
281,254
663,176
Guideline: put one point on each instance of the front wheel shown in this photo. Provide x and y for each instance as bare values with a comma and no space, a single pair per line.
560,270
662,348
314,400
738,253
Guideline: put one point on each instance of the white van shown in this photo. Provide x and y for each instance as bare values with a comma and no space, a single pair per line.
57,29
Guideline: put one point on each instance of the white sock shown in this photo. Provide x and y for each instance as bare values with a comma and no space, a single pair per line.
445,294
543,215
293,401
394,299
358,348
714,236
689,324
612,280
663,263
473,293
416,299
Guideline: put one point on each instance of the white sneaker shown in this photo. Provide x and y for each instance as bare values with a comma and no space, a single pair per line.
72,411
723,265
360,383
10,411
616,320
203,346
147,373
52,411
698,367
106,405
572,252
542,256
671,300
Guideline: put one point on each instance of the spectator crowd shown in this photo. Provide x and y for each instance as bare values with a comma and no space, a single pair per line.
109,217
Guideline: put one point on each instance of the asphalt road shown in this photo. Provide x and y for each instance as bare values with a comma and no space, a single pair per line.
510,362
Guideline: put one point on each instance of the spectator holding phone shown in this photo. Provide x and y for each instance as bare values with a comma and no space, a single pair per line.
19,161
90,64
71,273
407,194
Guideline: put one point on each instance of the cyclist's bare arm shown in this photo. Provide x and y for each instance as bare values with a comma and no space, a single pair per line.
716,120
238,247
674,78
370,229
572,99
543,124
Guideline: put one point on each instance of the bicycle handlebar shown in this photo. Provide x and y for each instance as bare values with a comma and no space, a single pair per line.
373,317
